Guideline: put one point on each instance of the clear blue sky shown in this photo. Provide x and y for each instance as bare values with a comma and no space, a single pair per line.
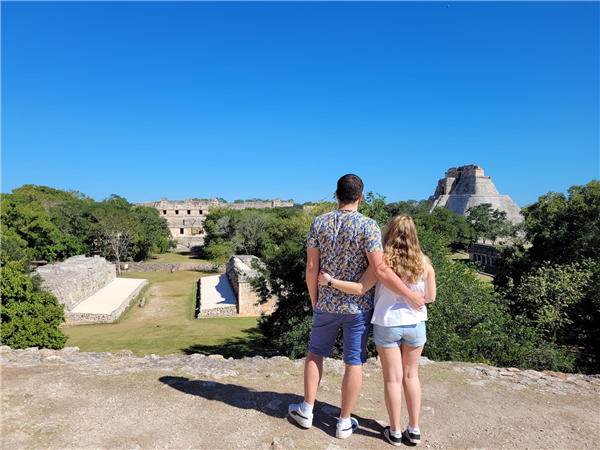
239,100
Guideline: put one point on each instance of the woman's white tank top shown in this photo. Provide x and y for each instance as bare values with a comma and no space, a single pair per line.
392,310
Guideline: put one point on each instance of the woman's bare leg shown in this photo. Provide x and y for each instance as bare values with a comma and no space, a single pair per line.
391,365
411,383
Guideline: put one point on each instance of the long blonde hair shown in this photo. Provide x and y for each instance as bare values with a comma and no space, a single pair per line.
402,250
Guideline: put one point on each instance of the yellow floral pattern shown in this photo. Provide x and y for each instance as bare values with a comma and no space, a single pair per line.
344,238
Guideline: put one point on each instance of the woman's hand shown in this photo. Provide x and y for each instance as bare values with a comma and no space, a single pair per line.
324,278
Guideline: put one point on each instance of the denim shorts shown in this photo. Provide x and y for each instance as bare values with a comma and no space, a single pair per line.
411,335
356,328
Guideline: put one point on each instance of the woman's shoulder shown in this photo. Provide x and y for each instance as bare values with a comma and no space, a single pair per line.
427,267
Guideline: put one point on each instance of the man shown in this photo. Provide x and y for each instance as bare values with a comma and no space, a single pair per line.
343,243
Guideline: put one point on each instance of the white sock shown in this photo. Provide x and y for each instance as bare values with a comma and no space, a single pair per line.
413,430
306,409
396,434
344,423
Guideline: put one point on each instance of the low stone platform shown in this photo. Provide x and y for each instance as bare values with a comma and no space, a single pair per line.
217,299
106,305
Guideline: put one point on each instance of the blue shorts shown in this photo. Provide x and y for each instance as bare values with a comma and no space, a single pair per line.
411,335
356,334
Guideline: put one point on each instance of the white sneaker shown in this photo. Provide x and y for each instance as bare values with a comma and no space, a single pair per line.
345,433
303,420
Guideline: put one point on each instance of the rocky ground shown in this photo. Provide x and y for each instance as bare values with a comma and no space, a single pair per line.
73,400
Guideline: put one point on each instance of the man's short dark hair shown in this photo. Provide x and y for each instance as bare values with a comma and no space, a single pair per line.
349,189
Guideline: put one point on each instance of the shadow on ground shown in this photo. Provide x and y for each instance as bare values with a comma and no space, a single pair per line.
273,404
250,344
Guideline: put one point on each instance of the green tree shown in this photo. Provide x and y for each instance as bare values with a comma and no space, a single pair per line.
219,253
30,221
564,229
409,208
446,224
154,235
489,223
250,231
118,231
564,244
14,247
46,196
283,275
30,317
549,294
373,206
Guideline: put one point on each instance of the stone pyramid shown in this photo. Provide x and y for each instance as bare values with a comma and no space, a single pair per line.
467,186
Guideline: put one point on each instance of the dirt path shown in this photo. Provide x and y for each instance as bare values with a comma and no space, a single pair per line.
72,400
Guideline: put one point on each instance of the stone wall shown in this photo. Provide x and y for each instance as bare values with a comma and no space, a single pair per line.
76,279
189,242
239,271
225,311
148,267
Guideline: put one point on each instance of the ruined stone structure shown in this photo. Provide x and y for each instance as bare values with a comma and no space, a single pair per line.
239,271
186,218
77,278
467,186
483,253
89,289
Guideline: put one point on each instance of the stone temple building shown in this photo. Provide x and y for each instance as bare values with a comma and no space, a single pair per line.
467,186
186,218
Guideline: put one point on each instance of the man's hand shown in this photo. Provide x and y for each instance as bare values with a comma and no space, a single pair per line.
416,301
391,281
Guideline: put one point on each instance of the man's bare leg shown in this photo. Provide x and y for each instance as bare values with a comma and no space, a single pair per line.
351,386
313,371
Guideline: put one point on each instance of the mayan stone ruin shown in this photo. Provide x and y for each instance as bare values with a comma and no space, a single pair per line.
186,218
230,294
467,186
89,289
75,279
239,272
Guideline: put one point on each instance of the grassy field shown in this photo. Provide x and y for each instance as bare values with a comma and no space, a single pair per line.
165,325
176,258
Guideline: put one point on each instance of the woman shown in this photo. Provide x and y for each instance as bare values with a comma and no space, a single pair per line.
398,329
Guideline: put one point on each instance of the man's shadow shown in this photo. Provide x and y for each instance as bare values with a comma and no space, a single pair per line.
273,404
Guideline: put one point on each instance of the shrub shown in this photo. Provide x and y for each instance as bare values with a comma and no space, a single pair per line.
30,317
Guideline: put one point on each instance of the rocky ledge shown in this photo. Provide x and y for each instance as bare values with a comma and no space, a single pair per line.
217,367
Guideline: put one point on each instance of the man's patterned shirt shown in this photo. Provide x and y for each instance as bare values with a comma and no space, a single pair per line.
344,238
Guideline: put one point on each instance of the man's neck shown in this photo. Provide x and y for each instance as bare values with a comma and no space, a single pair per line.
349,206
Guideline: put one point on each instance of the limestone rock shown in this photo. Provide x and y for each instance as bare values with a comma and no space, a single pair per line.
282,443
